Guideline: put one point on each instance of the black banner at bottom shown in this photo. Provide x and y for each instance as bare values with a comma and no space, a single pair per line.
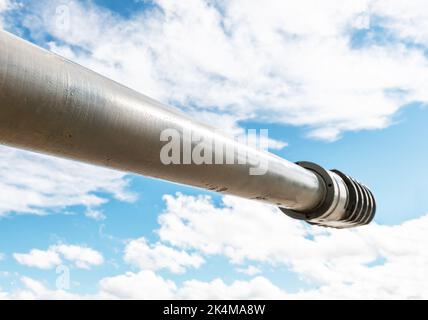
203,309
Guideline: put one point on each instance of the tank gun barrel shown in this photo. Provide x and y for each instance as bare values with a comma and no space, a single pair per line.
53,106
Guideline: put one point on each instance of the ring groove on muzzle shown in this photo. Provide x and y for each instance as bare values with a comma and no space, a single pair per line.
347,203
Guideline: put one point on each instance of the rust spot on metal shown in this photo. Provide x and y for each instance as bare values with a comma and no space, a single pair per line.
259,198
216,188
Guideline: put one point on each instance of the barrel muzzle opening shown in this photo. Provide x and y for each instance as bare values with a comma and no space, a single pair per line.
346,203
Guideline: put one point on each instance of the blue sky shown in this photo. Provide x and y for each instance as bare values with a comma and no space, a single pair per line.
344,89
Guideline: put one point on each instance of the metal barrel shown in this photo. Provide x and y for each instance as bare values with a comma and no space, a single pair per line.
51,105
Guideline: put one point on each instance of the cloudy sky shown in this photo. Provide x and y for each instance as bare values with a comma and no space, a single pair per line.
340,83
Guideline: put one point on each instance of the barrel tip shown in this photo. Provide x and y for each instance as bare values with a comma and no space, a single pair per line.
348,204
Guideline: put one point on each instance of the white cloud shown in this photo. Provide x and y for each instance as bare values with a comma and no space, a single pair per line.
377,261
33,289
257,288
406,19
266,63
142,285
4,5
158,256
250,270
82,257
38,259
36,184
195,223
148,285
33,285
95,214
